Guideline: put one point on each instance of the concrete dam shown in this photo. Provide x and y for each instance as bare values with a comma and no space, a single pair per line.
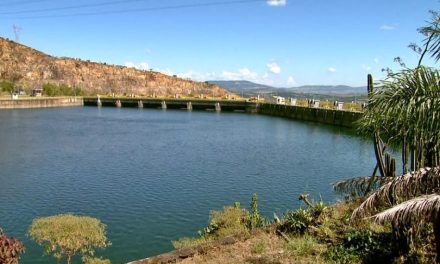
314,114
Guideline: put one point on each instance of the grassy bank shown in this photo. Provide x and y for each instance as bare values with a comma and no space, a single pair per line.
316,233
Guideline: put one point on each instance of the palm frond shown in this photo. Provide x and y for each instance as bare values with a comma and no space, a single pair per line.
407,104
422,182
432,34
426,208
356,187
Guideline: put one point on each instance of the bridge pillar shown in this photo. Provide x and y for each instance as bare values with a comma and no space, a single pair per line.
189,106
118,103
217,107
140,104
99,103
163,105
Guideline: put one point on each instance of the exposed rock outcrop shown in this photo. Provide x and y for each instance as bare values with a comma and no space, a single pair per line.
29,68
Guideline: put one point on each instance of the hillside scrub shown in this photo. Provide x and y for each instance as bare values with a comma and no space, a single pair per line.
50,89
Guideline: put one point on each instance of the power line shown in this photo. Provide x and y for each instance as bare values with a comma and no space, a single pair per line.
138,10
68,7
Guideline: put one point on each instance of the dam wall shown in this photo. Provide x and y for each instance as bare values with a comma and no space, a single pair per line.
40,102
314,114
345,118
321,115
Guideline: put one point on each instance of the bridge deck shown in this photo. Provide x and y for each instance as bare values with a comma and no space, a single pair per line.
321,115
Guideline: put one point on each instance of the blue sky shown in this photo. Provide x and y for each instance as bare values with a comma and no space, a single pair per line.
278,42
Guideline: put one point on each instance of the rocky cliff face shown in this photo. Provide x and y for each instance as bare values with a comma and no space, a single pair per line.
29,68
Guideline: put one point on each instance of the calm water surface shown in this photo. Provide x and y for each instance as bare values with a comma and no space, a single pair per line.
152,176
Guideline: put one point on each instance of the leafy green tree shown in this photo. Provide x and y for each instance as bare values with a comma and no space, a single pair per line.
66,235
50,89
7,86
10,249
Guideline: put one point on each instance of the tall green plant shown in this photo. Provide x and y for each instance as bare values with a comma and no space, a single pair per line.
254,218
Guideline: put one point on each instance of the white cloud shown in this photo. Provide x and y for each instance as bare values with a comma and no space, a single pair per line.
248,73
387,27
274,68
144,66
140,66
130,64
376,60
198,76
265,77
331,70
366,68
244,73
165,71
276,2
291,80
187,75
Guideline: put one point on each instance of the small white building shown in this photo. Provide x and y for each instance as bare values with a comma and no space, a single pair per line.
14,96
280,100
292,101
339,105
314,103
38,92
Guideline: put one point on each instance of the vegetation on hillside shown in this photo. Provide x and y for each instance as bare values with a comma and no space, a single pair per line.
7,86
50,89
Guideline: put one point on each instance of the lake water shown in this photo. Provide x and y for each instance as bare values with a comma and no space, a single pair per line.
153,176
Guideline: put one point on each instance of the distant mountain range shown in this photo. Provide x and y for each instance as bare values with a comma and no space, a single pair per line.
248,87
239,86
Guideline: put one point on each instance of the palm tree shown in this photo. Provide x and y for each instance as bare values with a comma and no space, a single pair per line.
405,110
421,209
